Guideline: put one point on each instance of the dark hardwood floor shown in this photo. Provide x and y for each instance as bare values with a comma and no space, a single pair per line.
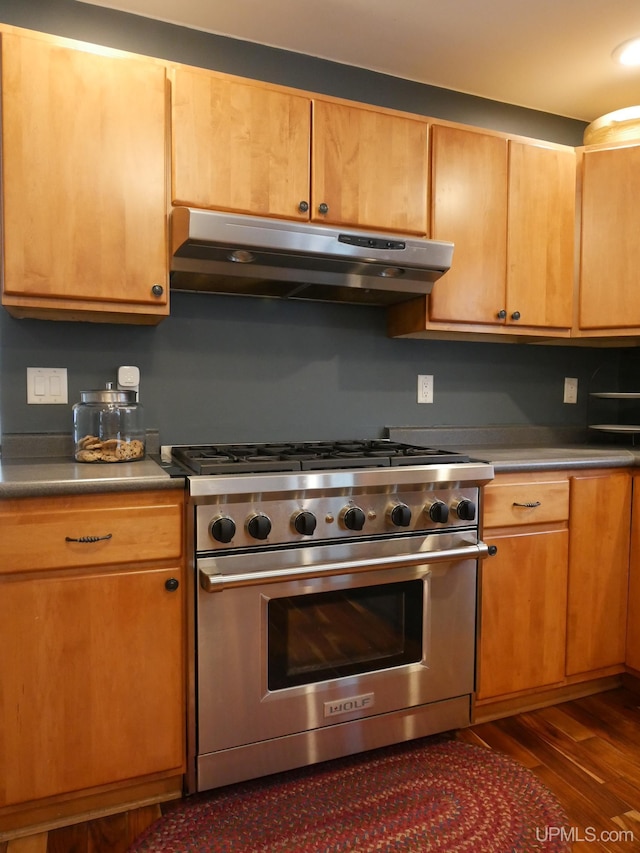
587,751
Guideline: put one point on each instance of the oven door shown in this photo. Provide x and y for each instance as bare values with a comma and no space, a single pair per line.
293,640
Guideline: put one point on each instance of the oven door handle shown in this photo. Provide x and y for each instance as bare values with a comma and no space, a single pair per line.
216,583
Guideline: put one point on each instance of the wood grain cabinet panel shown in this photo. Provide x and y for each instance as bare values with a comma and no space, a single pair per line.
93,652
610,250
84,141
247,147
540,236
523,613
239,146
91,674
633,619
521,502
43,533
598,571
370,168
469,208
523,588
553,601
509,208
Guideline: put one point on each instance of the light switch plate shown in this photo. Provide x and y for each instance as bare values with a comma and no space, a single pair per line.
47,385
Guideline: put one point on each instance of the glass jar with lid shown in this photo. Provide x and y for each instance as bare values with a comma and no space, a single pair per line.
108,426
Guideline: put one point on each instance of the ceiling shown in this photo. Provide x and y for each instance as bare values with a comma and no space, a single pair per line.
550,55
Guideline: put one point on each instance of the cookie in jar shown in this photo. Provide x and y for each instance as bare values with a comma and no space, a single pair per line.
108,426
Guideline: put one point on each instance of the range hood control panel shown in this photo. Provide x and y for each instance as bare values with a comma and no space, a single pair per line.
371,242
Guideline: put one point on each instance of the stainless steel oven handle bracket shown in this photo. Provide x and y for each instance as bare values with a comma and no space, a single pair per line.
216,583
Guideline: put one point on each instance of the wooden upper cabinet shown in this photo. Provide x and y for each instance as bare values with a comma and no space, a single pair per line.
469,208
540,235
247,147
610,250
84,143
509,208
239,146
370,168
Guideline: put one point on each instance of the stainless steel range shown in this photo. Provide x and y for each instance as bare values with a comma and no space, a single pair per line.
334,586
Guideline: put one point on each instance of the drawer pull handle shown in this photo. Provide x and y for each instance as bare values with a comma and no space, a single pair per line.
529,505
88,538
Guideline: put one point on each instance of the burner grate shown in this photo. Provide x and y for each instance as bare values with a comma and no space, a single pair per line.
307,456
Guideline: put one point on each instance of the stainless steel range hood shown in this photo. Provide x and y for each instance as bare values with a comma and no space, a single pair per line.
254,256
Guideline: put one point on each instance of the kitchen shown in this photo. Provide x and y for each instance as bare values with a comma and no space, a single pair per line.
265,370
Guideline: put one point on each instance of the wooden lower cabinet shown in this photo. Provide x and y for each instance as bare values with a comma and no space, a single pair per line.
598,571
633,612
523,588
92,665
523,621
553,600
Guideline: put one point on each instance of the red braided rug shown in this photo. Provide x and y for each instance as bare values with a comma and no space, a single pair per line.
430,794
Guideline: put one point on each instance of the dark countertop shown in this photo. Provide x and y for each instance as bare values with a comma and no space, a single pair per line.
516,448
45,465
34,465
36,477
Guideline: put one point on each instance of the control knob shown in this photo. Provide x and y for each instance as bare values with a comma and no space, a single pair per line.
464,509
352,517
223,529
259,526
438,511
304,522
400,515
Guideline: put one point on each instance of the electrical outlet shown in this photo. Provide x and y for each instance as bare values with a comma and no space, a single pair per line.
570,389
425,389
47,385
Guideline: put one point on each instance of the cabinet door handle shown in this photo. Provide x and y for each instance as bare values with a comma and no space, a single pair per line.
323,208
529,505
88,538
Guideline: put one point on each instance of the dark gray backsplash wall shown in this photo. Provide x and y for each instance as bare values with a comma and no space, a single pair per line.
233,369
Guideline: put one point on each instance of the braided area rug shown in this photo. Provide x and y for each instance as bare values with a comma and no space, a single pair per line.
430,794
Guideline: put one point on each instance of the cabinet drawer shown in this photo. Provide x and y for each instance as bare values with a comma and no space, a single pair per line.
124,528
525,502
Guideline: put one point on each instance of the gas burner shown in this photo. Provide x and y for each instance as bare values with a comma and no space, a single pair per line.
307,456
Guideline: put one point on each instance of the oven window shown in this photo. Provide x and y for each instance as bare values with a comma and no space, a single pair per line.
329,635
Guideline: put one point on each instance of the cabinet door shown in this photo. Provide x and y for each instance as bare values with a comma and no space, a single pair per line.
523,612
633,619
610,250
370,168
239,146
598,571
540,236
469,207
84,180
92,686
